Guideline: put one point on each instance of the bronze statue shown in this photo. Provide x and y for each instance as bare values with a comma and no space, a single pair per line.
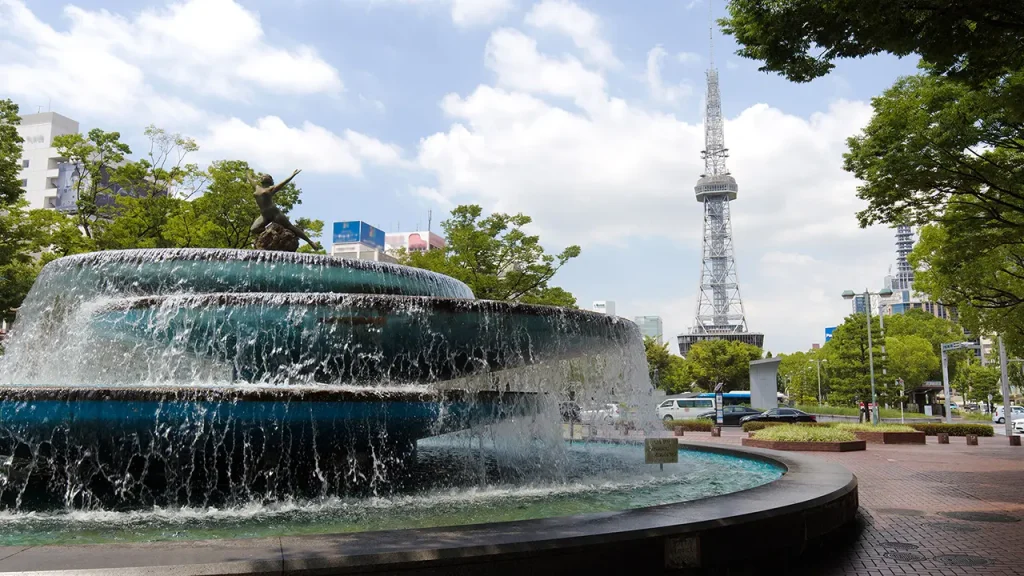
269,212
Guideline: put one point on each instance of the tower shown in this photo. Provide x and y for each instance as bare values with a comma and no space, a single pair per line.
719,313
904,279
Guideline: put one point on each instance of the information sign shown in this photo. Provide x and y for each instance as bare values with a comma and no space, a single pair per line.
661,450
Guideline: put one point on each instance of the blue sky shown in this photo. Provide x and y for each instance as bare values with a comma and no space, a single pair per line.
586,116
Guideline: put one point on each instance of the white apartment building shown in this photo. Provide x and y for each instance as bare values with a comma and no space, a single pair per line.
604,307
39,159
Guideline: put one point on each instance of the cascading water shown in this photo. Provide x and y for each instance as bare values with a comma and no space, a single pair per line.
196,378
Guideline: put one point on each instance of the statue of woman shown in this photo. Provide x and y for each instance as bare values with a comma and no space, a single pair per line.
269,212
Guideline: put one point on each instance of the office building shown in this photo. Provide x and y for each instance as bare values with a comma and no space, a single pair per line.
40,163
604,307
356,240
650,327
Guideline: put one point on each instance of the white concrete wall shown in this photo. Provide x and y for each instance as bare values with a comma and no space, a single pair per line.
764,388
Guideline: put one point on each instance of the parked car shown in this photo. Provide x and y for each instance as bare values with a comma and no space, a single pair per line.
1018,426
780,415
684,408
999,418
730,414
570,411
606,413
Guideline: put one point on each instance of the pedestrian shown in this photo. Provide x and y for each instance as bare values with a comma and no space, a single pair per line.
863,412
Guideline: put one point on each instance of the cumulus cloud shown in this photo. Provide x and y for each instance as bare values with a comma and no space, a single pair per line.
582,26
270,144
464,13
106,63
659,91
602,172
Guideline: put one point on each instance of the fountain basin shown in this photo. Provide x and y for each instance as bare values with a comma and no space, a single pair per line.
811,501
132,447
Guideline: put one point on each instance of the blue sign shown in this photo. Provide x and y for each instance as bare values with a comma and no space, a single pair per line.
828,333
355,231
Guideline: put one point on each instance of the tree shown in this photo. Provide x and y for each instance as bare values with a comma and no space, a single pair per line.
933,329
799,377
848,361
910,358
667,371
496,258
975,382
975,40
96,155
713,361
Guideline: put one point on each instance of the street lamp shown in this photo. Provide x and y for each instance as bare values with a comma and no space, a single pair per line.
884,293
818,362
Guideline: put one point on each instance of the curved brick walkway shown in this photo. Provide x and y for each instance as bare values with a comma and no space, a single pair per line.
909,498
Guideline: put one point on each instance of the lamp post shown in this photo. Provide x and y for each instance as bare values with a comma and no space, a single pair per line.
818,362
884,293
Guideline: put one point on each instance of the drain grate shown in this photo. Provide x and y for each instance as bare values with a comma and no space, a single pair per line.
979,516
901,511
951,527
961,560
904,556
899,545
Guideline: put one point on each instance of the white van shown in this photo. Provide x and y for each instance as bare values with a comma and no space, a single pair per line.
683,408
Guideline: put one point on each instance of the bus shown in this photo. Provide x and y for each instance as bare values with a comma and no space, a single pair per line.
737,398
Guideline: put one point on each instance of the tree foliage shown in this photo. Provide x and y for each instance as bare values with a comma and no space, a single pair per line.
975,382
910,358
496,258
712,361
976,40
848,361
667,371
799,376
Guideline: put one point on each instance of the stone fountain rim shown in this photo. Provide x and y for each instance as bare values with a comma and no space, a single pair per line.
813,494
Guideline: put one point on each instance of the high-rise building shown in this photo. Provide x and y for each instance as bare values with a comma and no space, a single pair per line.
359,241
720,314
904,298
604,307
40,163
650,327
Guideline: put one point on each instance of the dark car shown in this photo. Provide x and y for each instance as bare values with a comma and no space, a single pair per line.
570,411
731,414
780,415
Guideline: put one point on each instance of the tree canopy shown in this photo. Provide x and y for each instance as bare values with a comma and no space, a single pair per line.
976,40
712,361
799,376
667,371
849,373
496,258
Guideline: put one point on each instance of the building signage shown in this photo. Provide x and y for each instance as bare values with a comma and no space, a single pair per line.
828,333
361,232
661,450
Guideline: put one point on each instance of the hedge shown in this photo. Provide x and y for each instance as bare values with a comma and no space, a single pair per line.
874,428
690,425
761,425
954,429
795,433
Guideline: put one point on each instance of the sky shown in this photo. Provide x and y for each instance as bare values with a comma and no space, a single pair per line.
586,116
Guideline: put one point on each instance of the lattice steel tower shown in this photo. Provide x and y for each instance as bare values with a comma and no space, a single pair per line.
720,313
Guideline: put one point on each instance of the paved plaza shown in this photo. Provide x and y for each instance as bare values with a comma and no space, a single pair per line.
934,509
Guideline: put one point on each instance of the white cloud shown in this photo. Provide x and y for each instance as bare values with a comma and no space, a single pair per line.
584,27
272,145
608,171
464,13
106,63
693,4
659,91
688,58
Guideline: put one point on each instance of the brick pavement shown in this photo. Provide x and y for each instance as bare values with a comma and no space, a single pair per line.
907,494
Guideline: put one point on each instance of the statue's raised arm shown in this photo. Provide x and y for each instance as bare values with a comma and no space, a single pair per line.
285,182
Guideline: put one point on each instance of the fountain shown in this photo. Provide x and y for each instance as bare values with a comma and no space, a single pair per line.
166,395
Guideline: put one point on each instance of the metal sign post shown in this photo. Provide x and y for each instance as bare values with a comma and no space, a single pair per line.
719,416
902,396
661,451
945,373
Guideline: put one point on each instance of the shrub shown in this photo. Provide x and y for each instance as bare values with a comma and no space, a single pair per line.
847,410
791,433
931,429
755,426
690,425
879,428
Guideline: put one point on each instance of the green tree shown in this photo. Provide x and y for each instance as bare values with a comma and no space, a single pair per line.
667,371
848,361
935,330
976,40
712,361
97,155
799,377
975,382
496,258
911,358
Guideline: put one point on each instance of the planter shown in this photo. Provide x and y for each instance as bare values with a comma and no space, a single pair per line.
848,446
891,437
716,432
678,430
1014,440
943,438
972,440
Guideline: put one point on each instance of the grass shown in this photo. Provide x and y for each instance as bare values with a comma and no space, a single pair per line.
972,416
790,433
690,425
870,428
847,411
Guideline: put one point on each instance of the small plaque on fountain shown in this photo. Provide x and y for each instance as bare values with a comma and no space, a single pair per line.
661,450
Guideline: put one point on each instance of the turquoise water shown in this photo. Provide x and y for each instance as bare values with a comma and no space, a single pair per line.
449,485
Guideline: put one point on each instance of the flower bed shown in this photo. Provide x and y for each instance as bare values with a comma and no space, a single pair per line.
884,433
755,426
805,438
